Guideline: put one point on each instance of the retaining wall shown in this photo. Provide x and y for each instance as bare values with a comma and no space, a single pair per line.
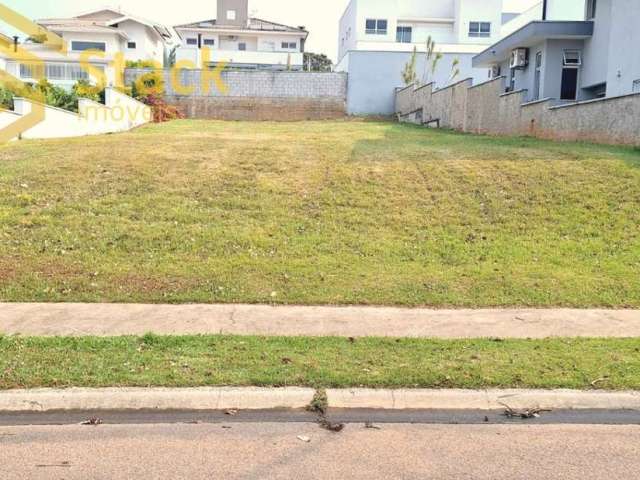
254,95
119,113
485,109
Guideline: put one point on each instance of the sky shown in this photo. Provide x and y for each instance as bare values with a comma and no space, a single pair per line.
320,17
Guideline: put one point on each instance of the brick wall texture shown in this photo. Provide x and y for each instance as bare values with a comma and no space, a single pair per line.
485,109
254,95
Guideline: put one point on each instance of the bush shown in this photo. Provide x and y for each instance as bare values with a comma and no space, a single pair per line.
141,64
45,92
162,111
6,99
84,89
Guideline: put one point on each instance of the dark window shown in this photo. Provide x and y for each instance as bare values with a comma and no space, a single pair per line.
403,34
242,47
131,45
569,88
636,86
192,41
82,46
480,29
376,27
209,42
289,45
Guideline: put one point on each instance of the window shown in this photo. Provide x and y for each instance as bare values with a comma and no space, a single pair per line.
591,9
192,41
231,14
480,29
376,27
289,45
572,58
131,45
242,47
82,46
636,86
403,34
209,42
55,71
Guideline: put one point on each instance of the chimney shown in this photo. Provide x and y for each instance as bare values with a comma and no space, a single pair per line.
233,13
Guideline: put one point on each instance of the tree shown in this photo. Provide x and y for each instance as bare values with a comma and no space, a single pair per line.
409,72
317,62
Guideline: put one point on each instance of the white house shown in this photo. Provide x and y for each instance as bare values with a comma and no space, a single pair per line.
457,26
242,42
377,38
109,32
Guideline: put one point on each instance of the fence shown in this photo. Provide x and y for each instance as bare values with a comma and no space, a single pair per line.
485,109
254,95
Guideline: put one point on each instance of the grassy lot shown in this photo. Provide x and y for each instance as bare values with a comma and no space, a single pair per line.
343,212
323,362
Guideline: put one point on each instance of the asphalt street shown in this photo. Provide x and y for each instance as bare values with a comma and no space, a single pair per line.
301,449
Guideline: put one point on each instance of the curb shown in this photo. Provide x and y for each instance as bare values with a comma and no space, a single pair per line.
253,398
249,398
482,399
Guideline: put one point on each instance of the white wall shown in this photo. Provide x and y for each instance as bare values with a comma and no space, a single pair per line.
120,113
148,45
445,21
468,11
565,9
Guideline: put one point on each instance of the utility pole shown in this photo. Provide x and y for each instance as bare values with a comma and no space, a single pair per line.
544,9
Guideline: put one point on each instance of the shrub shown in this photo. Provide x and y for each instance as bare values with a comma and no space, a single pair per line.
151,83
141,64
162,111
6,99
84,89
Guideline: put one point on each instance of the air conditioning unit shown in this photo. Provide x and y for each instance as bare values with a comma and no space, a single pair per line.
496,71
519,58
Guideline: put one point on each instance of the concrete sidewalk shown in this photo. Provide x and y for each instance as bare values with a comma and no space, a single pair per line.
119,319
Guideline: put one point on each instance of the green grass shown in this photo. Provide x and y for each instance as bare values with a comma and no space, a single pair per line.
341,212
321,363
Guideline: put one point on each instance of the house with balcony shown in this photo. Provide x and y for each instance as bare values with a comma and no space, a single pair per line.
111,36
377,39
565,59
240,41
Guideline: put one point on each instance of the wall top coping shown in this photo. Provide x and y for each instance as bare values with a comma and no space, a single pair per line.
501,77
535,102
243,72
595,100
454,85
506,94
28,100
430,84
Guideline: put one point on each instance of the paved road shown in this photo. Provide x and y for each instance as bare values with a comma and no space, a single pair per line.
273,451
115,319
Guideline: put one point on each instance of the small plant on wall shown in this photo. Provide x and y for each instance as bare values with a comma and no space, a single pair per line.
409,75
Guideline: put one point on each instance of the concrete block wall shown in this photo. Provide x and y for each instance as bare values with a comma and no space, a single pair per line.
484,109
254,95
